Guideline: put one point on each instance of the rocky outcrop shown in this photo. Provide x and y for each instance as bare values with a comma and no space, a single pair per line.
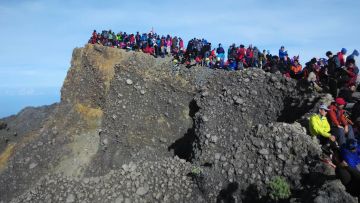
134,128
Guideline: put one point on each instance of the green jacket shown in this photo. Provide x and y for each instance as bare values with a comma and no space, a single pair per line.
319,125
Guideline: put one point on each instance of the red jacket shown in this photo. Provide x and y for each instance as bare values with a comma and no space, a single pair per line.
249,53
149,50
337,116
241,53
341,58
181,44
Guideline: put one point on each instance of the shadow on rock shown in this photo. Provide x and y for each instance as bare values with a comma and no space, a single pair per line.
294,109
226,195
183,147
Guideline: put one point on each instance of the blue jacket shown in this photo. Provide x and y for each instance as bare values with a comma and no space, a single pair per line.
282,54
351,158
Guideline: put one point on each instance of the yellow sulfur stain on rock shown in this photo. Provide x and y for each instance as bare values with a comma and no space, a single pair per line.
5,155
92,116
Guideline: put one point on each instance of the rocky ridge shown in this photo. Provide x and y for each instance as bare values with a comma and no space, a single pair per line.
133,128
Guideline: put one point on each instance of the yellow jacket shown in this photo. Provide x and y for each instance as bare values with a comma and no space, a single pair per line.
319,125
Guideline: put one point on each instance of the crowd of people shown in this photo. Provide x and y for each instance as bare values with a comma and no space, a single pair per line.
150,43
336,74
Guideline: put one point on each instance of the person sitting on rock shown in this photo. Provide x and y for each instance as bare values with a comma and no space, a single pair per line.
352,72
320,127
342,56
351,154
348,176
339,124
346,93
312,73
296,69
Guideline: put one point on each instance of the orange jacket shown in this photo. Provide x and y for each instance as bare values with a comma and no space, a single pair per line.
296,69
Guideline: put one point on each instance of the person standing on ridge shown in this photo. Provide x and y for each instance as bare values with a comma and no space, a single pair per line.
220,52
332,69
282,53
342,56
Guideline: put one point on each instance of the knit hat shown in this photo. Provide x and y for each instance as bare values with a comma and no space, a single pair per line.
343,51
340,101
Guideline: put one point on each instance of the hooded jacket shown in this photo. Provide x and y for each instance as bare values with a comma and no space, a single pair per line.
337,116
319,125
353,55
351,158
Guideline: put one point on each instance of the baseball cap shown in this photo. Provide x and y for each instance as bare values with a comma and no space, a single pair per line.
323,106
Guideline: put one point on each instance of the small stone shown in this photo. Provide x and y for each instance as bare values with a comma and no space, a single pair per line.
214,139
142,190
163,140
239,101
177,197
204,94
273,79
142,92
217,156
70,198
86,180
205,118
32,165
168,171
264,151
295,169
281,156
120,199
129,82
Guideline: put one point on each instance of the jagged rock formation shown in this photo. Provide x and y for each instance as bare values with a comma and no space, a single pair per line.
133,128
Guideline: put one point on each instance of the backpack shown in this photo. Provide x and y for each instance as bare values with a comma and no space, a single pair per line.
336,61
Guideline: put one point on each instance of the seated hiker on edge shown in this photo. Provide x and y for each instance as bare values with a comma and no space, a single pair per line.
320,127
339,124
351,154
348,176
